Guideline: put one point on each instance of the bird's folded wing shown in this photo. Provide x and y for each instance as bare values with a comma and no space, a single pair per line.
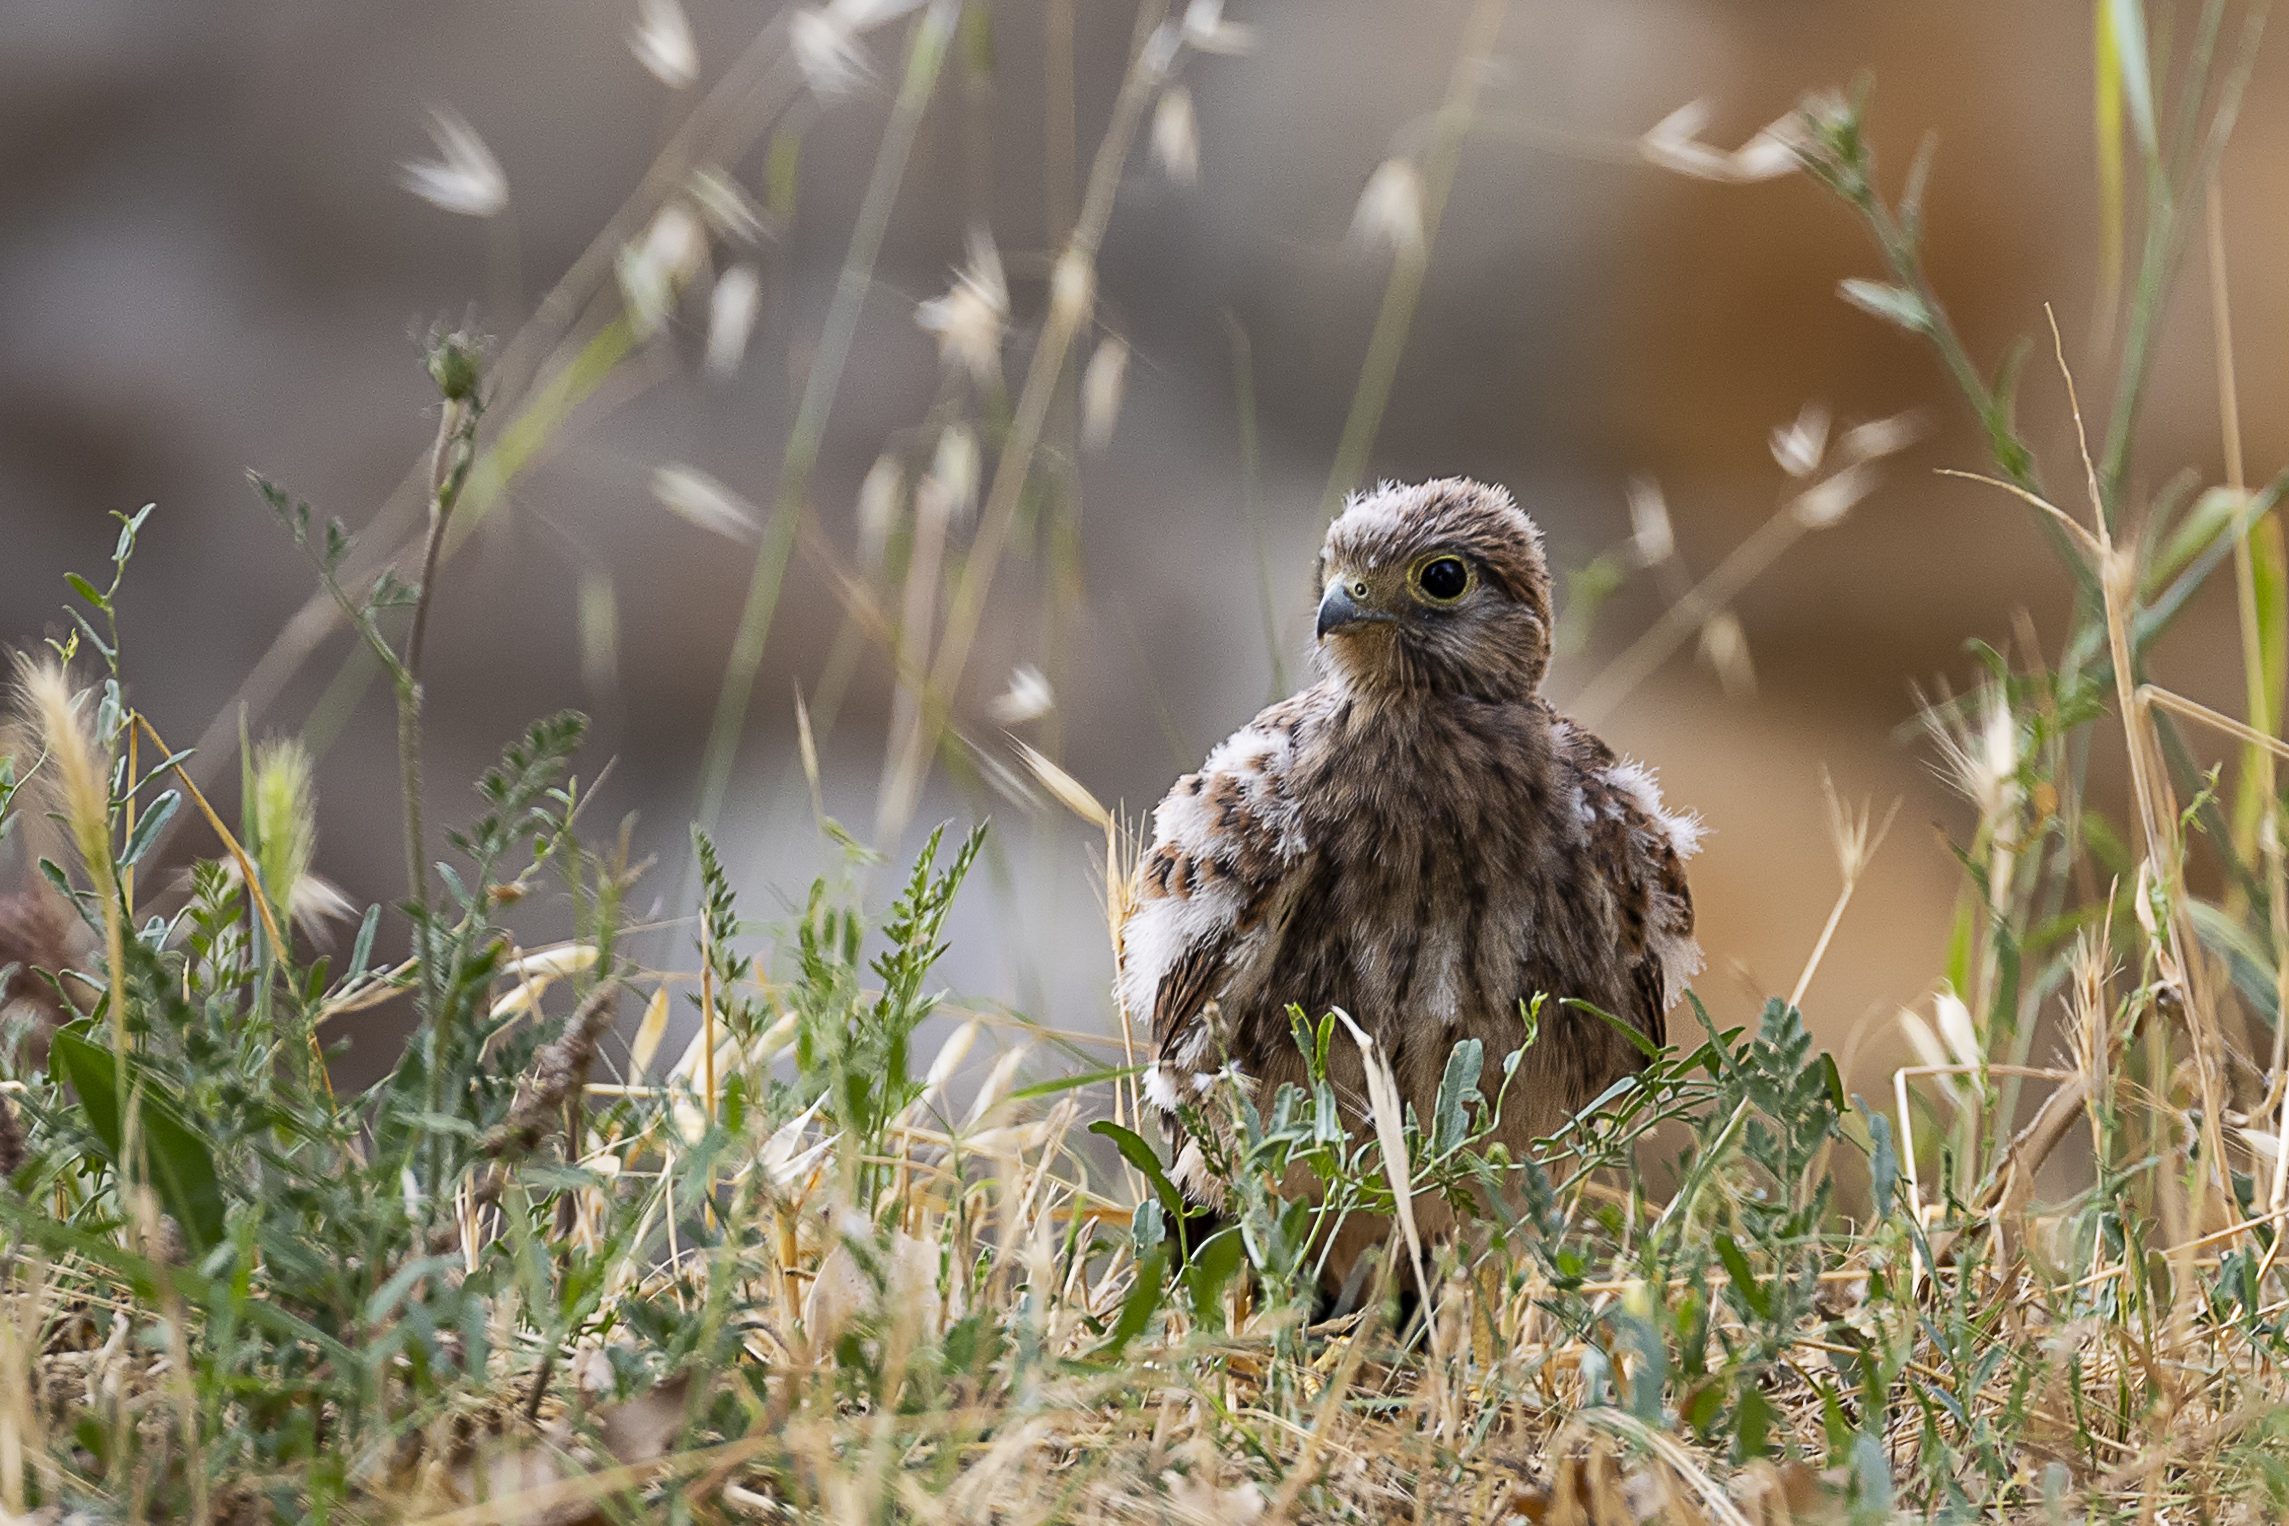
1223,841
1645,844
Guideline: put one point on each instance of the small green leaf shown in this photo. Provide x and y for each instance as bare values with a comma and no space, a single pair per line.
88,591
1644,1045
1450,1119
1210,1268
181,1168
1893,304
1137,1310
1140,1155
1751,1420
1744,1280
155,819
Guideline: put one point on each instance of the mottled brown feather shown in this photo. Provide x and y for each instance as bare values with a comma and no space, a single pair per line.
1419,839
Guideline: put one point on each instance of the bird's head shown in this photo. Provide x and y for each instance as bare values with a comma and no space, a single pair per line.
1437,588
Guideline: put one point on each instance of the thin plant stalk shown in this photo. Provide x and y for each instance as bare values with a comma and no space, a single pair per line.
925,55
1405,286
1069,307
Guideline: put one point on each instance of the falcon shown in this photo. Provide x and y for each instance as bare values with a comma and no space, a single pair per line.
1418,838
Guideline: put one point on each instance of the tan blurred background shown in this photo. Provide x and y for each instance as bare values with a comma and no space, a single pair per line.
207,264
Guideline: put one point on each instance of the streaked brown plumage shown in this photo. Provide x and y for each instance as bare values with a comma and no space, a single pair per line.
1417,838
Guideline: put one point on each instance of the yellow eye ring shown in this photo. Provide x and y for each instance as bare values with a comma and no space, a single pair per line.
1442,578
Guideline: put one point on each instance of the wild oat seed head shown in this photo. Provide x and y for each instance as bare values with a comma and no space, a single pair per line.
954,471
827,51
1799,445
1102,385
969,319
663,44
731,314
1824,504
1651,536
692,495
1028,698
76,769
879,497
1390,210
465,178
1072,288
1176,136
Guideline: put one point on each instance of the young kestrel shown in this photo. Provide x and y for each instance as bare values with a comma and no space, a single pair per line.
1417,838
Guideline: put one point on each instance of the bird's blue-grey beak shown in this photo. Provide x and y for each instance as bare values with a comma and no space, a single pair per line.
1337,608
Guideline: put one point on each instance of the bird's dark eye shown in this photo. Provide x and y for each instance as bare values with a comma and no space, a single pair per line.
1443,579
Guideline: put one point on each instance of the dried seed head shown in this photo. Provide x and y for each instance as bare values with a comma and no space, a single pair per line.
655,269
1176,136
1725,647
1956,1027
878,500
1206,29
1072,287
969,319
1674,143
1102,385
953,477
1390,210
827,50
694,496
731,313
1028,697
1879,438
465,178
1650,533
1798,446
662,43
1824,504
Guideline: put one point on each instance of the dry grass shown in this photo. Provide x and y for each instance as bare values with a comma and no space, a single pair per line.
783,1274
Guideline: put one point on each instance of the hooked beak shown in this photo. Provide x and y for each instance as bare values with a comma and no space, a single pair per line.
1337,608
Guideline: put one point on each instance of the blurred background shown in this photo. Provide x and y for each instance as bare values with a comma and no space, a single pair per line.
210,261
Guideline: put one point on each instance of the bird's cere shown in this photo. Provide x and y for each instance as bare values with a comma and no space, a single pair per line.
663,43
464,178
693,496
1102,385
969,319
1390,210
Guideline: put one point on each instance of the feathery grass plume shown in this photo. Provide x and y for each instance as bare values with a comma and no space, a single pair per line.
282,818
75,767
1390,210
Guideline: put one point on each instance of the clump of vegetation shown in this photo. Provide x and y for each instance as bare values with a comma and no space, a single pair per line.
785,1275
